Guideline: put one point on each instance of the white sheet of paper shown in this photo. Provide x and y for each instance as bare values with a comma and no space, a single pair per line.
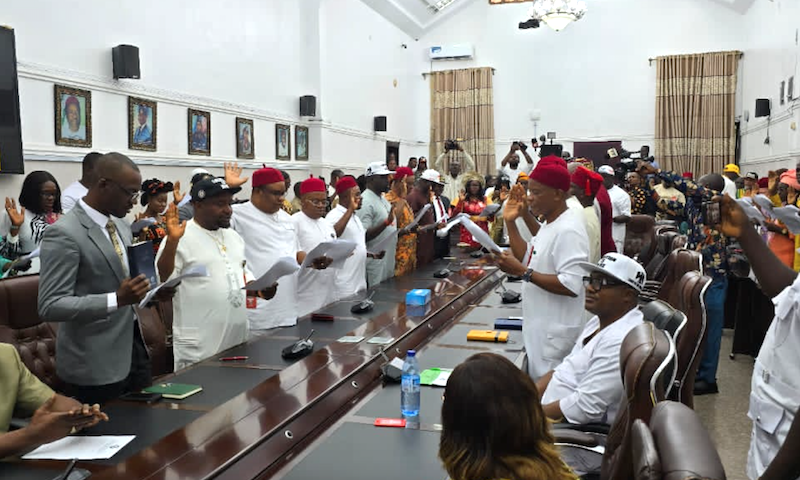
481,236
763,201
750,210
336,250
417,218
450,224
788,215
83,448
490,210
30,256
189,272
381,246
284,266
441,380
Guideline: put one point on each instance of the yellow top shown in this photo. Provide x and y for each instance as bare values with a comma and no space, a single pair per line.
22,392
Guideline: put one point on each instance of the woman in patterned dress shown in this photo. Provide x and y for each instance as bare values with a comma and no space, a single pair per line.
406,256
472,201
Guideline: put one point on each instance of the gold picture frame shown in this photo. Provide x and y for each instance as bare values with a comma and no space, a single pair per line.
142,124
73,117
199,132
245,139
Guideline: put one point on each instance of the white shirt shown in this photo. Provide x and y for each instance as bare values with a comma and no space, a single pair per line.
592,224
374,211
30,234
209,313
268,237
70,195
351,278
620,205
552,323
588,383
439,210
775,387
730,186
315,288
102,220
513,173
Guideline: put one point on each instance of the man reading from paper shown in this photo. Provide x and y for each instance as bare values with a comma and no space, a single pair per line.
208,312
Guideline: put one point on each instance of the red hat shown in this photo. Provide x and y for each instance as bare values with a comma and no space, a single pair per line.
588,180
552,174
763,182
311,185
403,172
345,183
266,175
688,175
554,160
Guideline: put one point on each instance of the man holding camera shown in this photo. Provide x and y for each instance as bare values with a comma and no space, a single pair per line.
453,184
510,166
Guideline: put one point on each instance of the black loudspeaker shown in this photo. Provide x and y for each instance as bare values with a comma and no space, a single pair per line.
380,124
762,107
308,106
126,61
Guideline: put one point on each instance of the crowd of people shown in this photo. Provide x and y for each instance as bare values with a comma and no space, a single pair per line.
564,224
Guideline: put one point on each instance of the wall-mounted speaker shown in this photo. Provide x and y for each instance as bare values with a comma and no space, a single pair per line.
308,106
762,107
380,124
126,61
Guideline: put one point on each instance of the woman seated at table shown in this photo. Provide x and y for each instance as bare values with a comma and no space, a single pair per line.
493,426
472,201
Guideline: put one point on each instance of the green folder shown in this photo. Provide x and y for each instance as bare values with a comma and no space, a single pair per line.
436,377
175,391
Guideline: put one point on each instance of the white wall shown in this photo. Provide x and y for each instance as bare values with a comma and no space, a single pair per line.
770,57
249,58
590,81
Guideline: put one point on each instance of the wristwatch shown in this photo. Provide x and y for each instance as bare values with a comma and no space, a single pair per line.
527,275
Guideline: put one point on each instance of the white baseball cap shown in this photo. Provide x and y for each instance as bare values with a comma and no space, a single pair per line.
432,175
377,168
605,170
198,171
619,267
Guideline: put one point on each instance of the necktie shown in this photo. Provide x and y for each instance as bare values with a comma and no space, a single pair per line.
112,233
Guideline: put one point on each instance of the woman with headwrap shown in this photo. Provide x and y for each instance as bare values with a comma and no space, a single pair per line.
72,126
155,199
472,202
406,254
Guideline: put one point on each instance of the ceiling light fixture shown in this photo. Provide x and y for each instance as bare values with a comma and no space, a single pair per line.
557,14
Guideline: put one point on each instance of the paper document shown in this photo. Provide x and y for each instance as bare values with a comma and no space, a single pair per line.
30,256
750,210
436,377
417,218
450,224
384,243
189,272
139,225
763,201
490,210
336,250
82,448
481,236
788,215
284,266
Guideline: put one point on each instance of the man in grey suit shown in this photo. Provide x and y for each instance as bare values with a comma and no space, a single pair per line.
84,285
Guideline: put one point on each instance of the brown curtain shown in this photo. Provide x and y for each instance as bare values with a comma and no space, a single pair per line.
695,101
462,106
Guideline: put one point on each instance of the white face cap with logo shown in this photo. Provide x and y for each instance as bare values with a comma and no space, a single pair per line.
621,268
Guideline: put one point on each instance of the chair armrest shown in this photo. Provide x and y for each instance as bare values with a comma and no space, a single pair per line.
575,437
598,428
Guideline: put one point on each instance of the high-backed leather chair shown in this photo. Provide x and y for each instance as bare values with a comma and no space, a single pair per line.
20,326
679,241
676,446
640,238
155,340
663,249
679,262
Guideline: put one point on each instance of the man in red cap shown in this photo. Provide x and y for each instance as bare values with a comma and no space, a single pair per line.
584,187
269,235
550,265
315,287
351,278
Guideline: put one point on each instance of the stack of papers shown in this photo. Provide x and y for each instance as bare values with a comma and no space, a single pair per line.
436,377
789,216
480,236
336,250
284,266
81,448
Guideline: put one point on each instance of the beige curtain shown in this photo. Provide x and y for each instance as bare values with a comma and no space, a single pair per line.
462,106
695,101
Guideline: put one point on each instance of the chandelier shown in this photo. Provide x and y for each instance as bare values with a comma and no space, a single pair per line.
557,14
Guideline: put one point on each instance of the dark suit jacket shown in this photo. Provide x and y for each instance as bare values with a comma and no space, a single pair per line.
79,269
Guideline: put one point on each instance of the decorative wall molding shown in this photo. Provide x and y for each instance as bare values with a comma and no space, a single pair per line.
792,155
787,114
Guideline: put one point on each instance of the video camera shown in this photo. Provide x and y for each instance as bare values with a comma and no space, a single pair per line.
450,145
521,145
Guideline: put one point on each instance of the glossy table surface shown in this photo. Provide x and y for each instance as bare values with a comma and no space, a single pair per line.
259,417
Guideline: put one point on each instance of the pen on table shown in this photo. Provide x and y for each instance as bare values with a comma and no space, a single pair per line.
69,469
233,359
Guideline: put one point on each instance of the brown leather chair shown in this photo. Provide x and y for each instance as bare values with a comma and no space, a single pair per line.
155,339
640,238
20,326
663,249
679,262
679,241
676,446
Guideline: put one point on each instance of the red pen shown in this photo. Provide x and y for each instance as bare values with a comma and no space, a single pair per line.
233,359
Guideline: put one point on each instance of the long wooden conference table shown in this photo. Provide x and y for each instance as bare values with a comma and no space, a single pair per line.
310,418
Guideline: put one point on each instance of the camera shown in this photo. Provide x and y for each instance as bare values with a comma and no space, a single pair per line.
450,145
521,145
711,214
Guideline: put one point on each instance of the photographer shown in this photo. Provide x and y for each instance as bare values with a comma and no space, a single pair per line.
713,246
455,172
510,166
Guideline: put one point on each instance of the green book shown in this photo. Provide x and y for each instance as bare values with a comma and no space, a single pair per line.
175,391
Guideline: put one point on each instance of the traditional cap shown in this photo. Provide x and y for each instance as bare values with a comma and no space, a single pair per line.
377,168
553,159
605,170
310,185
432,175
211,187
266,175
688,175
345,183
403,172
763,182
72,100
619,267
751,175
588,180
552,174
731,168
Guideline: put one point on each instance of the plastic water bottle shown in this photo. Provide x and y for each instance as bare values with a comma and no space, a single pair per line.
409,389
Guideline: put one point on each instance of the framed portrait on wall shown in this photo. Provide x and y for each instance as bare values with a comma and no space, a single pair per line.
73,118
245,146
283,142
142,124
301,143
199,132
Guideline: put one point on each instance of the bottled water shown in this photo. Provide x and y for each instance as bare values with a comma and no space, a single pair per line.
409,390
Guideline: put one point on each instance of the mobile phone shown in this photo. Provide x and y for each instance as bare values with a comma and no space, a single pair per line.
144,397
711,214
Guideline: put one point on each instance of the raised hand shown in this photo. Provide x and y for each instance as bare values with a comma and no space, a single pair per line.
17,217
515,203
177,196
233,175
733,220
645,168
175,228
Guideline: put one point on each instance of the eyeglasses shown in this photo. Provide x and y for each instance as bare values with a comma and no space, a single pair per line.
598,283
133,195
318,203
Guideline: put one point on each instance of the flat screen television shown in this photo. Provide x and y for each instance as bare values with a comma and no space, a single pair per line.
10,131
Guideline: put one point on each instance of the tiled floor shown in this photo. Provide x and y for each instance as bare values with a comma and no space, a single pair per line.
725,414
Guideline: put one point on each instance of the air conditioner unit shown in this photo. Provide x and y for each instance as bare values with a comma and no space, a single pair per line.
451,52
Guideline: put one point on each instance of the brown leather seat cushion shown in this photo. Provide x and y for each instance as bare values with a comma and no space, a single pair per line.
679,262
640,238
646,464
